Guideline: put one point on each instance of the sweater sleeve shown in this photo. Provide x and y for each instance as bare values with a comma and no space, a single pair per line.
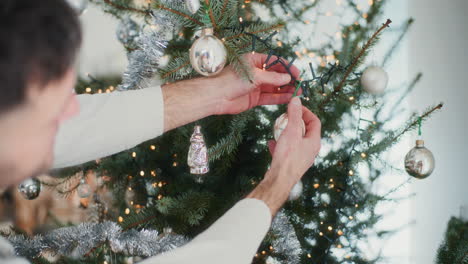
232,239
109,123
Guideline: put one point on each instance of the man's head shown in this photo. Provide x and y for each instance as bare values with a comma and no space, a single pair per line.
38,44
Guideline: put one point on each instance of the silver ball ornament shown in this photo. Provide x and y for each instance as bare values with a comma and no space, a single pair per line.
208,54
192,5
78,5
281,123
296,191
419,162
374,80
30,188
84,190
128,32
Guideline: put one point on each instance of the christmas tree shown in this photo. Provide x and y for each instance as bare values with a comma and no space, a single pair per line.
156,198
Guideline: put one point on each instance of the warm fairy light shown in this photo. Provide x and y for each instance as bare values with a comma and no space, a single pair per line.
223,39
130,177
160,184
350,172
320,234
279,43
127,211
142,173
351,217
321,223
363,155
307,98
263,252
175,155
316,185
108,91
111,88
88,89
332,186
351,98
374,123
331,180
253,52
358,7
356,205
160,197
304,50
155,184
256,255
307,22
99,91
181,34
129,188
240,19
120,219
243,6
105,262
153,173
309,256
298,53
340,233
370,2
131,202
271,247
134,154
330,228
339,246
152,147
365,15
174,164
324,94
311,54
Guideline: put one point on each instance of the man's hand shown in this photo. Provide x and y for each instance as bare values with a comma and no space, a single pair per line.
236,95
226,93
293,155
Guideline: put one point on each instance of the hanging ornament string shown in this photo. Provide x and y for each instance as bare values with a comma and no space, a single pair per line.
419,126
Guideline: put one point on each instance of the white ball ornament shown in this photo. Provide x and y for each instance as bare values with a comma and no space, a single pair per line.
192,5
374,80
208,54
281,123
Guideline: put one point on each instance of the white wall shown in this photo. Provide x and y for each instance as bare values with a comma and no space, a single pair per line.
438,48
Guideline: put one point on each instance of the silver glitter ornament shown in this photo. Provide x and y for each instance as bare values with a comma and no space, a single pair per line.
208,54
419,162
286,241
30,188
128,32
296,191
78,5
192,5
374,80
281,123
198,155
84,190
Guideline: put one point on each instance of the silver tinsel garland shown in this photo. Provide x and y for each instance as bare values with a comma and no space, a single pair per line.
286,242
76,241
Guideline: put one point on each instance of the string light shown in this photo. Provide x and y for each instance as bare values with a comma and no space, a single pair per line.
316,185
99,91
350,172
263,252
129,188
339,246
142,173
174,164
160,197
134,154
365,15
88,89
351,98
153,173
351,217
330,228
363,155
271,247
240,19
120,219
160,184
152,147
320,234
356,205
340,233
309,256
111,88
127,211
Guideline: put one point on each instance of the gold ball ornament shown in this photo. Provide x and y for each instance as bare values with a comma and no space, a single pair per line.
208,54
419,162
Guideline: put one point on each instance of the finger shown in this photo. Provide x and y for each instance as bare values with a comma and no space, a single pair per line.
294,117
312,123
271,146
271,78
274,98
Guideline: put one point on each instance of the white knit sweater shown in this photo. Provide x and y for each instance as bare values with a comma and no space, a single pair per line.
110,123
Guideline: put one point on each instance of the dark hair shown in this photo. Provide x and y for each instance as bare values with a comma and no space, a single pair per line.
39,40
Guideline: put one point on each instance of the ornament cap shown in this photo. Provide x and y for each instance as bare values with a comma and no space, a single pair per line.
207,31
419,143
